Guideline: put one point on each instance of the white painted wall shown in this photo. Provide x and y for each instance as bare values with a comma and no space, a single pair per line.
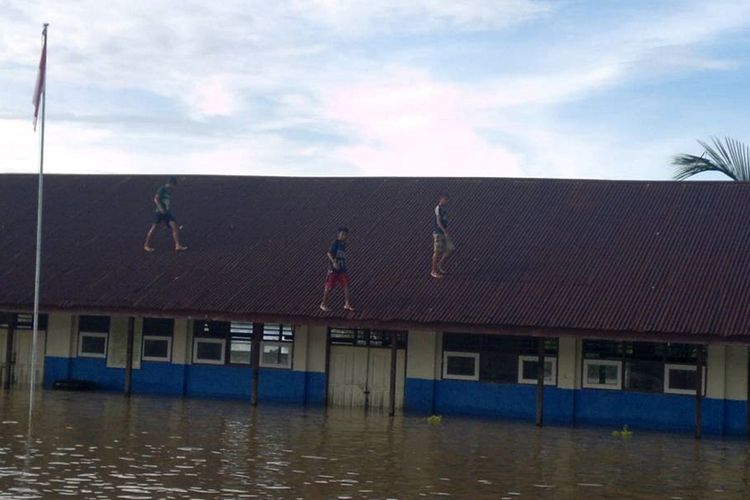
181,339
317,337
59,333
568,367
301,344
423,352
736,372
118,342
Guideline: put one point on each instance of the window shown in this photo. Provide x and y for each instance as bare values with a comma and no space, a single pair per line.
602,374
240,343
681,379
235,340
157,339
208,351
642,365
93,333
366,338
278,332
501,357
157,348
528,369
25,321
461,365
276,355
92,345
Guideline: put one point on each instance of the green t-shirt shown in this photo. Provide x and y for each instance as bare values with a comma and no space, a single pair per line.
164,195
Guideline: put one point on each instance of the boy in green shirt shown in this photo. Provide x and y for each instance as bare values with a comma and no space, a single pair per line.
163,200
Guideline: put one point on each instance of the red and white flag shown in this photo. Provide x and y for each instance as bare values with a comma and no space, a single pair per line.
41,76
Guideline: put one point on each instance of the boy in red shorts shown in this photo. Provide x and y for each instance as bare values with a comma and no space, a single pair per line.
337,270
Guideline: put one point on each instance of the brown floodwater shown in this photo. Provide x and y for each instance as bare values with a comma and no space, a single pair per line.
94,445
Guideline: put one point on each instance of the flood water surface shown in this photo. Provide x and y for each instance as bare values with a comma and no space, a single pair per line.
92,445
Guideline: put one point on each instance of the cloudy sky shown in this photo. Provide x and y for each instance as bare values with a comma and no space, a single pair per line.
558,88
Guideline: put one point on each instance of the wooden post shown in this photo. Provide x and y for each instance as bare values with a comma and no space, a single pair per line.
129,357
698,391
255,360
540,383
9,350
328,367
394,360
748,392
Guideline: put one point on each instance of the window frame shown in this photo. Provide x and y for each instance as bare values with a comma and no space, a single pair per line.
104,335
167,359
459,354
209,340
608,362
684,367
526,357
280,344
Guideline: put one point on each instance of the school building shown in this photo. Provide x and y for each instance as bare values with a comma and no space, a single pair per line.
633,296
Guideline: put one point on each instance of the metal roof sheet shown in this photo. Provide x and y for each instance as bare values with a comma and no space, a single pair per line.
662,258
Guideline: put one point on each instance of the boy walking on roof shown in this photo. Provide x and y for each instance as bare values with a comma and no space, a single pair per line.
162,200
337,270
442,244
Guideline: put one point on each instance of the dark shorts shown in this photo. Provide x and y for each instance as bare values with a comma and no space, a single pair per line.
165,217
334,278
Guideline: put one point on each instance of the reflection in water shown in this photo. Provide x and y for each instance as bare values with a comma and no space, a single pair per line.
105,446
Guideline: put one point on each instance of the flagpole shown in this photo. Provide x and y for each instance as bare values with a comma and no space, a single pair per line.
37,269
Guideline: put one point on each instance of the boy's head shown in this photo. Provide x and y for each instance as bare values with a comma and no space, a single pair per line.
443,199
172,181
342,233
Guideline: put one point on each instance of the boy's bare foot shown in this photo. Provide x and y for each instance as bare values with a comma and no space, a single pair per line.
324,307
436,275
148,248
180,248
348,307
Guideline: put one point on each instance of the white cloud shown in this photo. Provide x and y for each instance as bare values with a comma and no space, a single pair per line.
361,74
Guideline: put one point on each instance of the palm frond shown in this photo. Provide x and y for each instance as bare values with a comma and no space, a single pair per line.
731,158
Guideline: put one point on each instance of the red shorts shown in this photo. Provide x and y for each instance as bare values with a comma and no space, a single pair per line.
334,278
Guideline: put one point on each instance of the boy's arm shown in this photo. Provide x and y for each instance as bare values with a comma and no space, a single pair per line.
159,206
439,222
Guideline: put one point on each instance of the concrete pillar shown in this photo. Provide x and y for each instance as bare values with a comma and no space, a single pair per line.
316,378
568,363
117,348
423,367
181,339
716,371
299,359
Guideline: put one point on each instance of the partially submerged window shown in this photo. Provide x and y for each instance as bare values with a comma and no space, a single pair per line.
503,358
209,351
93,335
210,342
276,347
240,343
528,369
682,379
235,339
639,366
602,374
460,365
157,339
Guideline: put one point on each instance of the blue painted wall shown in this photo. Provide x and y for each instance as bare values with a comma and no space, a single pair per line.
591,406
274,385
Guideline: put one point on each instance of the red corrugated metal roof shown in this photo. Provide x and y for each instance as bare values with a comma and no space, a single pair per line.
649,257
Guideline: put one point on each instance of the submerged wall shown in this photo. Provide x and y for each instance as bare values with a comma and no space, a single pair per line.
426,391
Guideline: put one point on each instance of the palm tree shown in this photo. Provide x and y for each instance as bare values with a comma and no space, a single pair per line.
730,157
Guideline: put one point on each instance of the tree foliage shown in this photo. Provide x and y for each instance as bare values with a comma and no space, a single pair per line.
730,157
